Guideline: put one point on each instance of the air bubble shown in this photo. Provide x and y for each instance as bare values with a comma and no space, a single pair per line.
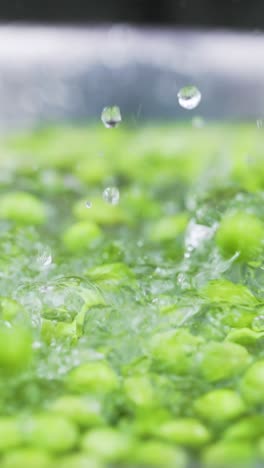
189,97
111,195
258,323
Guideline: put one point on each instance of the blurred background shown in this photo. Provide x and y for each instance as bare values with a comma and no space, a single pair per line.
67,60
210,13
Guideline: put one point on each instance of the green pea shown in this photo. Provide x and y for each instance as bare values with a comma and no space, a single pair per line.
224,291
50,330
147,420
222,360
168,228
184,431
15,349
80,236
108,444
261,448
158,454
227,454
252,384
10,309
111,274
92,377
26,458
249,428
79,460
93,170
10,434
219,406
234,235
22,208
139,391
238,317
52,433
244,336
100,213
174,350
85,412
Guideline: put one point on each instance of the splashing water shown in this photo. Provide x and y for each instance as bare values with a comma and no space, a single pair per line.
189,97
43,258
196,234
111,116
111,195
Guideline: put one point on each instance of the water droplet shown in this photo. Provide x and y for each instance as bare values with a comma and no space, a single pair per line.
88,204
258,323
189,97
259,123
198,122
111,195
111,117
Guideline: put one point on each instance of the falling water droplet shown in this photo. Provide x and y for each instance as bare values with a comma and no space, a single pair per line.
111,195
111,117
189,97
259,123
88,204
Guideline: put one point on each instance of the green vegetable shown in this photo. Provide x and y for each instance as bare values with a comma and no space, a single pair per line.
174,350
131,334
187,432
15,349
234,235
219,406
158,454
222,360
27,457
227,292
108,444
226,454
51,433
92,377
252,384
84,411
22,208
10,434
80,236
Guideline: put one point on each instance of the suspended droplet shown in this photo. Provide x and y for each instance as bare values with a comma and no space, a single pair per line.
88,204
111,195
258,323
259,123
189,97
111,117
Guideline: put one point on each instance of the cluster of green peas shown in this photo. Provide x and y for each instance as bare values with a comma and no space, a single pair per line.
222,424
215,416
